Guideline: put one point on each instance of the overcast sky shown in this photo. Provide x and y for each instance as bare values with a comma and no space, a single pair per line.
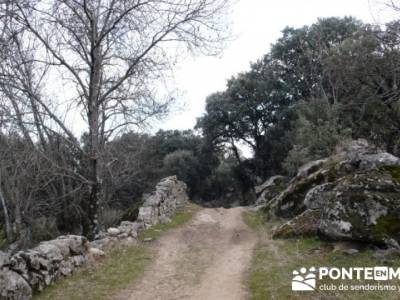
256,24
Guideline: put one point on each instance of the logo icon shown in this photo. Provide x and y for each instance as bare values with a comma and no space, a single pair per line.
303,280
381,273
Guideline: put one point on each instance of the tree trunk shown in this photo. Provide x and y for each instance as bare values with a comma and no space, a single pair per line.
94,152
7,222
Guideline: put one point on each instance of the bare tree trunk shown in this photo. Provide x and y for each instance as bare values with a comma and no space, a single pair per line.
18,220
94,135
7,222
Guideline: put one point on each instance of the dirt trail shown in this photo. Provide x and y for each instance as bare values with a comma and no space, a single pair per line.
205,259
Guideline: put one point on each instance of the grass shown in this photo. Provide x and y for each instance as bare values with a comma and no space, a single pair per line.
274,261
116,271
181,217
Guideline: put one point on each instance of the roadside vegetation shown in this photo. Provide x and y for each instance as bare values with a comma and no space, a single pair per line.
117,270
97,281
180,218
270,274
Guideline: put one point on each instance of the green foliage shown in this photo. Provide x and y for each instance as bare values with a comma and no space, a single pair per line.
186,166
316,133
259,107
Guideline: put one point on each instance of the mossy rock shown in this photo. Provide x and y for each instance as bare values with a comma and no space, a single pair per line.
364,206
304,225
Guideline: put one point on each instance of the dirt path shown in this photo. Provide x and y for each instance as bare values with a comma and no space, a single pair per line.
205,259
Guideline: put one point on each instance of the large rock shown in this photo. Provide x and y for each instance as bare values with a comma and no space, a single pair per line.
77,244
305,224
309,168
315,197
50,251
314,178
13,286
366,156
34,260
352,195
272,181
363,206
113,231
269,189
290,202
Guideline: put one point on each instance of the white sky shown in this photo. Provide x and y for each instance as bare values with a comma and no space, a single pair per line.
256,24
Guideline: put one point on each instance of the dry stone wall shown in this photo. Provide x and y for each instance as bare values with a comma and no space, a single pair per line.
34,269
160,206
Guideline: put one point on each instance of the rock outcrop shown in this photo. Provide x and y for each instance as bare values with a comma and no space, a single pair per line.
269,189
305,224
355,195
363,206
34,269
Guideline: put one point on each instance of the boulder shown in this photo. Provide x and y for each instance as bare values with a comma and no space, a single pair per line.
63,245
66,268
269,189
50,251
96,253
316,177
315,197
33,259
272,181
363,206
78,245
13,286
18,263
310,168
130,228
305,224
77,260
113,231
290,202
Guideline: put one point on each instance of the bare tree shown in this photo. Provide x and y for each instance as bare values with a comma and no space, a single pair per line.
108,54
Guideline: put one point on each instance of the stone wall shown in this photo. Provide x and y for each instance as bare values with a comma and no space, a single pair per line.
160,206
34,269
